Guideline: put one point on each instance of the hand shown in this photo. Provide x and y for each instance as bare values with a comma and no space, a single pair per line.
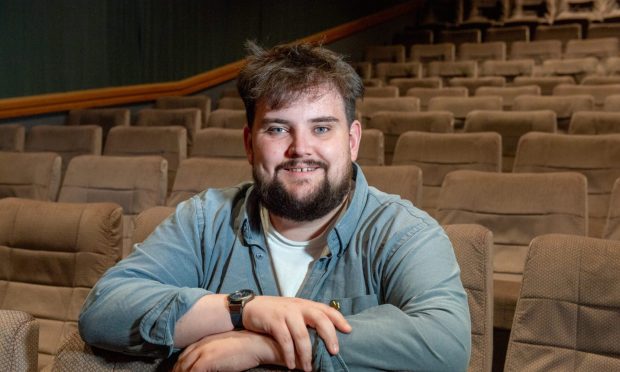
286,319
229,351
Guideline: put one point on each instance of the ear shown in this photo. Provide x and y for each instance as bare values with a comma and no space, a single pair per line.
247,142
355,136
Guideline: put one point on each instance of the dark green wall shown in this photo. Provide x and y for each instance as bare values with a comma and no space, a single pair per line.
62,45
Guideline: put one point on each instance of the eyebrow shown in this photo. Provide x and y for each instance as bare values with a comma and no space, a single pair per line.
320,119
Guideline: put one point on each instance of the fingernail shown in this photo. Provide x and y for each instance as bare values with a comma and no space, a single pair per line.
335,348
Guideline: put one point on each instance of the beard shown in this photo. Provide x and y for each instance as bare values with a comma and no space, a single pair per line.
318,203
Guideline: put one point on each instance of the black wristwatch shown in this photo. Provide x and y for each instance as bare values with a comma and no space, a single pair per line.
236,302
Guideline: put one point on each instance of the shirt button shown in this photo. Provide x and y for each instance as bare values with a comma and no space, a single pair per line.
259,256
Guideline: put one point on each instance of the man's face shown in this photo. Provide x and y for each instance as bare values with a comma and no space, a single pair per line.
301,154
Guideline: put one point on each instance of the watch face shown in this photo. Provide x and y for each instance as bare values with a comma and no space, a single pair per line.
241,295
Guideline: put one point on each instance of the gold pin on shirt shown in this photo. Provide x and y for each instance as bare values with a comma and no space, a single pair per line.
335,304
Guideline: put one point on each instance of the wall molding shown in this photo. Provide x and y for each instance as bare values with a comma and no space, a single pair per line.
131,94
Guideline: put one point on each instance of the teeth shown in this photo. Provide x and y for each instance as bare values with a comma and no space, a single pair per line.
300,170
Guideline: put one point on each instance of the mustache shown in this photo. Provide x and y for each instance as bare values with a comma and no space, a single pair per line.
298,163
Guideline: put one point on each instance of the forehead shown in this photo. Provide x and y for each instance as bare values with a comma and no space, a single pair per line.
323,98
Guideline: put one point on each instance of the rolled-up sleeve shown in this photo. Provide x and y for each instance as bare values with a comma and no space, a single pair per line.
423,321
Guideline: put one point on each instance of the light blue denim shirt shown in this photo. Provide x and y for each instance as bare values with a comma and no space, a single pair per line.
391,267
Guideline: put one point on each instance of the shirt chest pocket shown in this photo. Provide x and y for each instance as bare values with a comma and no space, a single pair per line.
353,305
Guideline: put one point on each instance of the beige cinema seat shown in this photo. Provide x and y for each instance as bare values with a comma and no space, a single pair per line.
219,143
539,51
425,94
427,53
402,180
481,52
546,83
437,154
52,255
567,315
473,83
198,174
594,122
511,126
384,53
135,183
12,137
393,123
231,103
67,141
516,208
597,157
461,106
447,70
227,118
387,91
106,118
612,103
509,70
612,224
404,84
598,92
576,68
190,119
509,35
167,142
473,247
597,48
390,70
369,106
563,33
563,106
363,69
372,148
508,94
34,175
200,102
19,341
458,37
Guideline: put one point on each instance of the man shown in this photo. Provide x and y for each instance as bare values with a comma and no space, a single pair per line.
307,267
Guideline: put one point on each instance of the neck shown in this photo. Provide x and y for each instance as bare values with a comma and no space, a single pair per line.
304,230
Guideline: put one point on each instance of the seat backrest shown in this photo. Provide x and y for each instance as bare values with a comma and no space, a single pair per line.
458,37
384,53
563,106
546,83
473,247
598,48
404,84
481,52
135,183
425,94
508,94
567,311
563,33
600,80
595,156
167,142
437,154
219,143
189,118
473,83
598,92
12,137
508,69
372,148
387,91
402,180
448,69
227,118
198,174
508,34
539,51
106,118
612,224
516,208
602,30
34,175
594,122
426,53
612,103
389,70
19,341
393,123
231,103
66,141
368,106
200,102
52,254
511,125
577,68
461,106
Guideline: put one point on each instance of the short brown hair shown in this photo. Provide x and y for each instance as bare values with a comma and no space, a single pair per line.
283,73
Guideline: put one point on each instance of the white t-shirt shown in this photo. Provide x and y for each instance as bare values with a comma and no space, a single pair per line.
291,260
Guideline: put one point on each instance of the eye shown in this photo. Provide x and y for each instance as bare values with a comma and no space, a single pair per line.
321,130
276,130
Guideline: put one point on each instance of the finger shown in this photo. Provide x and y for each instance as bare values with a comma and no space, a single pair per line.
338,319
301,338
325,330
283,337
186,359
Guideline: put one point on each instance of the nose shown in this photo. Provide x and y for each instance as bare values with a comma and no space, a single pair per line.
300,145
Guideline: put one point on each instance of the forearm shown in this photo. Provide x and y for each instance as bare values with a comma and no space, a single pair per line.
208,316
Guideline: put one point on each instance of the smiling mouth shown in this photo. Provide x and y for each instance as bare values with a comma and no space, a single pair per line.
301,167
301,170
